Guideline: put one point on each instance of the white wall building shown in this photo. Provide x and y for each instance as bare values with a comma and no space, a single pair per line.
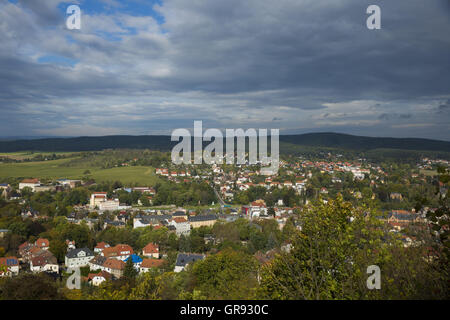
78,257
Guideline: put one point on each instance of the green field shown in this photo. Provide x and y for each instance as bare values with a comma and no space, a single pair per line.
54,169
430,173
30,154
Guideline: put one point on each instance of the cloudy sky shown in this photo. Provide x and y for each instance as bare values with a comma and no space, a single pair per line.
148,67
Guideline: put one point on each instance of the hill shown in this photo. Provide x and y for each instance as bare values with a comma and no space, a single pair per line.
163,143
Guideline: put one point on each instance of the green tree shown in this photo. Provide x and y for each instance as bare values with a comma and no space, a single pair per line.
229,274
130,271
29,287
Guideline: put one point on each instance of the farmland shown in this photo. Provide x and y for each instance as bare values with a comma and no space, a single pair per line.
55,169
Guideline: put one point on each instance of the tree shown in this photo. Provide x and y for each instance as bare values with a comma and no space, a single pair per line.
130,271
227,275
331,253
58,248
29,287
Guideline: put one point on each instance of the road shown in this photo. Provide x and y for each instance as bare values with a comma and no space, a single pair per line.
218,195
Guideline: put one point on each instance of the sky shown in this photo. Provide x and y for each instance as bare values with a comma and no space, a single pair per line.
143,67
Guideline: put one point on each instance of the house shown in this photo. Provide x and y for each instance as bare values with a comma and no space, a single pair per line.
114,267
109,205
202,220
402,217
97,279
141,221
78,257
29,183
257,209
4,190
116,224
288,184
180,214
396,196
100,247
45,262
119,252
69,183
181,225
97,263
9,266
70,245
97,198
42,244
137,261
148,264
151,250
183,259
3,232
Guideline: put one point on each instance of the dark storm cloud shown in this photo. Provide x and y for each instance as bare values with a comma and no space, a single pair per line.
302,64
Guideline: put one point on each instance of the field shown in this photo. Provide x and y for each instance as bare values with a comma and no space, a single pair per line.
430,173
54,169
30,154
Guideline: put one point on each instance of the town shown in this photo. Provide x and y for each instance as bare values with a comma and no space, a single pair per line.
113,231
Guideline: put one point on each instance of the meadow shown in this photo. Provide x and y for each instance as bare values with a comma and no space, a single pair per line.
55,169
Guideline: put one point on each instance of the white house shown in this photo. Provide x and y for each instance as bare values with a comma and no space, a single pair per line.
44,262
97,279
29,183
181,225
97,198
78,257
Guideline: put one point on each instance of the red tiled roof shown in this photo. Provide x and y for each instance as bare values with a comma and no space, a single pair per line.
151,248
114,264
30,181
42,243
101,245
151,263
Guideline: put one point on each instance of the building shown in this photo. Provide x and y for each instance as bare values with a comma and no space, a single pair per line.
97,198
45,262
100,247
119,252
137,261
69,183
109,205
78,257
114,267
97,279
9,266
396,196
4,190
183,259
203,220
29,183
181,225
42,244
70,245
3,232
148,264
151,251
97,263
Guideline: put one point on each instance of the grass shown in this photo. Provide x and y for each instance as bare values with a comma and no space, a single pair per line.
54,169
30,154
430,173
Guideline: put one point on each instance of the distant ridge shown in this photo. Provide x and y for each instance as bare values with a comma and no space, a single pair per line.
164,143
347,141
